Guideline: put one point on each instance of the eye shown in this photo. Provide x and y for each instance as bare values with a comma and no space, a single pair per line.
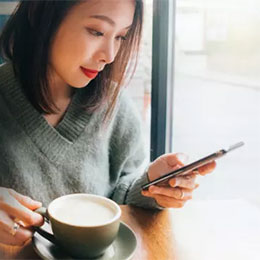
121,38
94,32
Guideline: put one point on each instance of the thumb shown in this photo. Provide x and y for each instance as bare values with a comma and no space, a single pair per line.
183,158
25,200
177,159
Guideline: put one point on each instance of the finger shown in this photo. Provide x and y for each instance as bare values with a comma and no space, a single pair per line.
176,160
168,202
6,223
176,193
25,200
187,181
21,236
207,168
13,208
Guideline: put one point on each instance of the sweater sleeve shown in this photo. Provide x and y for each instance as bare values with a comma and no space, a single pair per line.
127,156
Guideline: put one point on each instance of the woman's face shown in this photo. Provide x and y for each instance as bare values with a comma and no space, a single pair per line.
89,38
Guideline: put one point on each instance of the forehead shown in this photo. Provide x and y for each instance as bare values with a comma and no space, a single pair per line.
121,11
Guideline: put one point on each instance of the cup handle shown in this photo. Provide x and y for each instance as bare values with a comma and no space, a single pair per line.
43,211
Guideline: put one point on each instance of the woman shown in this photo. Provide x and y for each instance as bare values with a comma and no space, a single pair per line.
65,124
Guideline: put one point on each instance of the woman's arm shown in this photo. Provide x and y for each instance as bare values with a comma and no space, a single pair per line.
127,156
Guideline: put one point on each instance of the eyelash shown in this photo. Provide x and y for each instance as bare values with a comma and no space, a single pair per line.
98,34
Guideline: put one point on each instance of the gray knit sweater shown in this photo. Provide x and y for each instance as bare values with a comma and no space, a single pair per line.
79,155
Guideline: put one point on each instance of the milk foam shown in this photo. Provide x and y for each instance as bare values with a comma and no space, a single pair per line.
82,212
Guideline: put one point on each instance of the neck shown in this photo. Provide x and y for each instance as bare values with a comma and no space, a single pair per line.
60,91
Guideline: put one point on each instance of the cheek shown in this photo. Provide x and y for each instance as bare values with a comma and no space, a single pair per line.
69,49
66,60
116,48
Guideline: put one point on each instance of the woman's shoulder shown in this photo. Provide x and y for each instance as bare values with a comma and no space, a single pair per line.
127,120
6,67
4,75
7,75
126,109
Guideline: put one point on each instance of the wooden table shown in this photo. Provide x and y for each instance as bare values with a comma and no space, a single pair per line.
152,228
202,230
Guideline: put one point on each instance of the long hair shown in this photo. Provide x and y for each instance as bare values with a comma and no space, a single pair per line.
26,40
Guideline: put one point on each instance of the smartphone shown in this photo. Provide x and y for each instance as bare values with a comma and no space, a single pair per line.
192,166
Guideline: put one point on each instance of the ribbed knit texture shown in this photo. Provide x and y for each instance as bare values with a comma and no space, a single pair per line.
79,155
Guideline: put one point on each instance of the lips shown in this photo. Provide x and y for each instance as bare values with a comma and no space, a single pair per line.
89,73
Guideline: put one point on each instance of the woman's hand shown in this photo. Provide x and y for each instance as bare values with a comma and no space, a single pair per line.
17,216
179,189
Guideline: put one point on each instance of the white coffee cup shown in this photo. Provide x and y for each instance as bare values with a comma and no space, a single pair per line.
84,225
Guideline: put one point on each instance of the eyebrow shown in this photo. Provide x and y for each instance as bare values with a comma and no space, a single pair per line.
107,19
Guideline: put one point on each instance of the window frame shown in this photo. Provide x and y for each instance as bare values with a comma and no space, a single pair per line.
162,77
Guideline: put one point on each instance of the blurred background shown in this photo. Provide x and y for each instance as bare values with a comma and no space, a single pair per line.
217,92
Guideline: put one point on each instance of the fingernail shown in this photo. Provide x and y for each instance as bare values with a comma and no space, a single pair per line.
154,190
182,157
196,172
33,202
27,233
174,182
36,203
39,203
144,193
38,217
196,186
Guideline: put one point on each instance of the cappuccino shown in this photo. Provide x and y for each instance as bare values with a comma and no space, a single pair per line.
84,225
82,211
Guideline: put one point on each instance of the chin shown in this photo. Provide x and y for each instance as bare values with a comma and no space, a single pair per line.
80,84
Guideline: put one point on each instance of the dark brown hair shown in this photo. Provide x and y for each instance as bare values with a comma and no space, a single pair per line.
26,40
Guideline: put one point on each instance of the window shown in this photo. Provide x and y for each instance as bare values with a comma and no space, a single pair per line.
217,92
6,8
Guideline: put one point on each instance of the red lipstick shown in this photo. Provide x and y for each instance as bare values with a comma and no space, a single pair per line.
89,73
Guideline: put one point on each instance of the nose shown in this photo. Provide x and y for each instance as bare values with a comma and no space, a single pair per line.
107,52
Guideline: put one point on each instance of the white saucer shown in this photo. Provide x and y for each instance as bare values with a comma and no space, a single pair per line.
122,248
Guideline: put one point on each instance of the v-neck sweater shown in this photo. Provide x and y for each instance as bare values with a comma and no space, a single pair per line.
80,155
